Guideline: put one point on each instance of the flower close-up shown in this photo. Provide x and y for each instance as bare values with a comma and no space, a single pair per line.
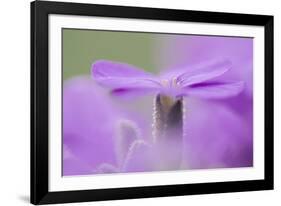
197,81
148,109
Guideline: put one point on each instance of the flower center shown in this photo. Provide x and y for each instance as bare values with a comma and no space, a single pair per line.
174,82
165,82
170,83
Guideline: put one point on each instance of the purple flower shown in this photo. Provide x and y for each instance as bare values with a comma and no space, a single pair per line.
198,81
200,118
219,132
170,89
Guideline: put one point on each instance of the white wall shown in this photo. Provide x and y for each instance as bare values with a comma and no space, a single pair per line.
14,102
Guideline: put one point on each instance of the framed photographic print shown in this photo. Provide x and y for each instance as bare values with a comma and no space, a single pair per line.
131,102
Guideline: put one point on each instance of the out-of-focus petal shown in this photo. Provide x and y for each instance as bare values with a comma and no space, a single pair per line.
117,75
106,168
138,158
127,132
214,89
73,165
162,155
88,125
216,136
204,72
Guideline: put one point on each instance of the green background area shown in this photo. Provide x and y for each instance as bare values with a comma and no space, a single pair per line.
83,47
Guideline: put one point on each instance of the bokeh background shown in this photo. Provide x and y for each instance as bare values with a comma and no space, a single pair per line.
218,133
82,47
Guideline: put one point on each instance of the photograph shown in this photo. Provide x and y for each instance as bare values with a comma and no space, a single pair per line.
155,102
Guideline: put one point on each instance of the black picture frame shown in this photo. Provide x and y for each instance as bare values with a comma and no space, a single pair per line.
39,102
